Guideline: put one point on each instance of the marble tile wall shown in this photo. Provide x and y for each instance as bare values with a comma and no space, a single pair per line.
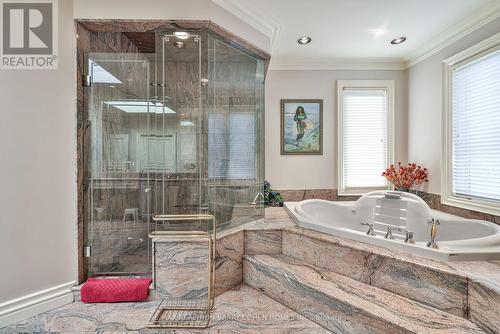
443,290
263,242
228,262
181,268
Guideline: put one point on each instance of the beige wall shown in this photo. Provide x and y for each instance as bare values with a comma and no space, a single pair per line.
319,171
38,172
425,104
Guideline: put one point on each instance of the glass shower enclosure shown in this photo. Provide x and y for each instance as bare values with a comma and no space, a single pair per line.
174,126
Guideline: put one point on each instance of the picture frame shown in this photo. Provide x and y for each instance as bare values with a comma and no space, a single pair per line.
301,130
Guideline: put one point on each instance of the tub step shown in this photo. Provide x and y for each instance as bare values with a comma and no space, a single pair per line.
426,281
344,305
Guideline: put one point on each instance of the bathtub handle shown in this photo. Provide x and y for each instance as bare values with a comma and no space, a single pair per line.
389,235
432,242
370,231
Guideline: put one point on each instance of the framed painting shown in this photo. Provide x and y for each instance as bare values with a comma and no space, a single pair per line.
301,126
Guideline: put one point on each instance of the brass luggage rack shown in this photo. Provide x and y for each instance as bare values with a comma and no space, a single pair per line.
188,313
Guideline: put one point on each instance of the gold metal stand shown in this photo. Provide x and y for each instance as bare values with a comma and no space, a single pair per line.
188,313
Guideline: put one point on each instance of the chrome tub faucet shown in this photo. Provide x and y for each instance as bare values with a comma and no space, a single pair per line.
370,231
389,235
432,243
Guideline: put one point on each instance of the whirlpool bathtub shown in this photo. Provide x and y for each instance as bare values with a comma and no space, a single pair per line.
368,220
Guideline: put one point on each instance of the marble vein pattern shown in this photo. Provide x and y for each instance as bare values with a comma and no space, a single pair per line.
228,262
443,290
344,305
181,268
263,242
240,310
484,305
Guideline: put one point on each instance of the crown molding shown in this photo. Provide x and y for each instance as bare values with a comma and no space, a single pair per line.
473,22
361,64
268,27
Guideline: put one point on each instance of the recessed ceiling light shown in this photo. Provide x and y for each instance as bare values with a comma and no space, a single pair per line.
181,34
304,40
379,31
398,40
179,45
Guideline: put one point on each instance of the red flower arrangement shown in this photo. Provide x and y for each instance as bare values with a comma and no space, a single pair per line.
406,176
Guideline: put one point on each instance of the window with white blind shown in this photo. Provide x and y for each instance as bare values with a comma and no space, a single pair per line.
471,175
365,148
232,145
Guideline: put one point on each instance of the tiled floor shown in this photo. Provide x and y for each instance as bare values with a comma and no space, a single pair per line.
241,310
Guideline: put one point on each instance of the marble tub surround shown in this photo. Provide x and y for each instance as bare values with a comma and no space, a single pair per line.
263,242
229,261
484,306
442,289
240,310
344,305
416,277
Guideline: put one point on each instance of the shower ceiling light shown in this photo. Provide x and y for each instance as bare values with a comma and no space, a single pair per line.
398,40
186,123
140,107
304,40
181,34
179,45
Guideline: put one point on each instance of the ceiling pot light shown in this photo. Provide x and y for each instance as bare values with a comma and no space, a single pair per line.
179,45
181,34
398,40
304,40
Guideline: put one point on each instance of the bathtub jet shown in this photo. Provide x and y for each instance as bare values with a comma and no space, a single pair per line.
402,222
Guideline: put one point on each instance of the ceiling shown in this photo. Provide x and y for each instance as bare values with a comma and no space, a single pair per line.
360,31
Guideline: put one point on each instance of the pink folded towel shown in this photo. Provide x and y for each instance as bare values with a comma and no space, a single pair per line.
113,290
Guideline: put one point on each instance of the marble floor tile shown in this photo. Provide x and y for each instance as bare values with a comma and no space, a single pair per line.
240,310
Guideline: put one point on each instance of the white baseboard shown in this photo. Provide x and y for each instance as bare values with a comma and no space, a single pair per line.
30,305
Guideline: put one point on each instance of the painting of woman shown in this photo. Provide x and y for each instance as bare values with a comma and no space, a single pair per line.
300,118
301,126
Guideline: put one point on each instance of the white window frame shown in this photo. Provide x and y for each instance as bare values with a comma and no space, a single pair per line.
467,56
365,84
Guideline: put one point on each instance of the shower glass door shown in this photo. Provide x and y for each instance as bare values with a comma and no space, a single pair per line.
121,154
